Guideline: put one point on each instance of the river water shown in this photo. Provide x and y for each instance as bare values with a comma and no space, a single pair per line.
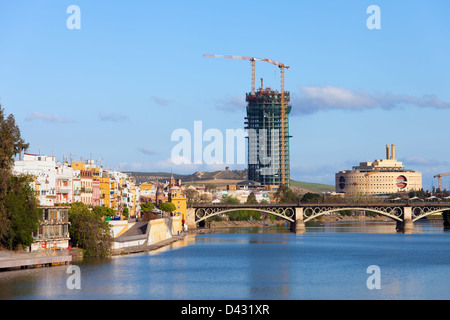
328,261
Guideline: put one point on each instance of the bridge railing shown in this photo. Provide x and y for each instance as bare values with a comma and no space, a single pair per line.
397,203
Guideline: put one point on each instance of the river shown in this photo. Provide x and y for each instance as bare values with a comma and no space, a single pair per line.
328,261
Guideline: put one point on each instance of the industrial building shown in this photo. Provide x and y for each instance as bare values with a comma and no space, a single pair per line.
378,178
268,129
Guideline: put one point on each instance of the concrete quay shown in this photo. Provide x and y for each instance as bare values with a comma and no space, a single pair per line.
10,260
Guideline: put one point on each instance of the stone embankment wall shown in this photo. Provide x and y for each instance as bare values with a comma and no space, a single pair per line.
156,231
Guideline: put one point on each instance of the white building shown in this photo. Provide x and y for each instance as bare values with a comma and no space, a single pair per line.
380,177
43,168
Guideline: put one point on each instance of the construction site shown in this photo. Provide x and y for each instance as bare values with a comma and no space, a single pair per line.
267,124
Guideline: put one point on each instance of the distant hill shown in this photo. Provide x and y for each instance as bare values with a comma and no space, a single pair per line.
222,178
312,187
222,175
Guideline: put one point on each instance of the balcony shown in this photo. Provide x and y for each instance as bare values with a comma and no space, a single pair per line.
64,190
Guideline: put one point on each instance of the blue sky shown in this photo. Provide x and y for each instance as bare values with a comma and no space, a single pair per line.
118,87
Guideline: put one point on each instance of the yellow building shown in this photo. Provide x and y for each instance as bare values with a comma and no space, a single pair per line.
105,188
78,165
95,173
114,195
145,187
177,197
133,201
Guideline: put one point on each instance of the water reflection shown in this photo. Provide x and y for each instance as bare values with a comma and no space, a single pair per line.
328,261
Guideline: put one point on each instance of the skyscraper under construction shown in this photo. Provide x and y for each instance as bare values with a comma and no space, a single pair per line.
268,136
267,123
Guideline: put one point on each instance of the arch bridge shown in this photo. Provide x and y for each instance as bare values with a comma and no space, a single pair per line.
404,213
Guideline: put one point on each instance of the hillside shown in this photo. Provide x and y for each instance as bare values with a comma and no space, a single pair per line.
222,178
222,175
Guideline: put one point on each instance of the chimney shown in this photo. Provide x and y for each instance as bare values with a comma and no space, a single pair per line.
388,156
393,152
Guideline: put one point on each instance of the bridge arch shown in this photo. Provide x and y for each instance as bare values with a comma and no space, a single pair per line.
423,212
202,214
310,213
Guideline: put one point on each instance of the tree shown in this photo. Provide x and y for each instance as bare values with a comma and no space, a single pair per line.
15,197
167,207
310,197
251,199
22,212
229,200
88,231
103,211
284,194
147,206
11,144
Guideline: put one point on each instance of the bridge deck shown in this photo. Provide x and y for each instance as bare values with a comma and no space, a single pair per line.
336,205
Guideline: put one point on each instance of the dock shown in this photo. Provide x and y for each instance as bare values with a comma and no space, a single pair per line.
32,260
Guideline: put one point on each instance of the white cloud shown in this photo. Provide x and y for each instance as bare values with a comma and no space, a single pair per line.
316,98
421,161
232,103
114,117
161,101
47,118
147,151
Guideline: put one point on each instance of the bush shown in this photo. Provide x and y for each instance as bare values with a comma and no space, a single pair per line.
89,232
167,207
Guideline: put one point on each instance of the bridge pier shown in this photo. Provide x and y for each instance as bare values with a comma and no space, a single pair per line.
190,219
446,216
406,225
299,225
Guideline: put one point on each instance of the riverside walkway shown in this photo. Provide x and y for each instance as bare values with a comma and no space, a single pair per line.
13,260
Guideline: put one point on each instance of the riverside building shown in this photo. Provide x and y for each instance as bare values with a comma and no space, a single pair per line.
378,178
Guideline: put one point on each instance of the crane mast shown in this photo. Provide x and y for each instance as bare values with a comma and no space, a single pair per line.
439,176
283,107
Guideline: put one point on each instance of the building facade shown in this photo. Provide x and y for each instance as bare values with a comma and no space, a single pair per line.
266,141
65,183
378,178
53,232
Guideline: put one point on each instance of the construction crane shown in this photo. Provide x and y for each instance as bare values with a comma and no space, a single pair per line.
252,59
282,115
439,176
283,108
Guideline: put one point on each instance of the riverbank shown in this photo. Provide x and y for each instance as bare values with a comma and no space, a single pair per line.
11,260
147,248
270,223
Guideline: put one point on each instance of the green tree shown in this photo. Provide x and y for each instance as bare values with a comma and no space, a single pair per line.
23,214
310,197
229,200
147,206
89,232
12,189
251,199
103,211
11,144
284,194
167,207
